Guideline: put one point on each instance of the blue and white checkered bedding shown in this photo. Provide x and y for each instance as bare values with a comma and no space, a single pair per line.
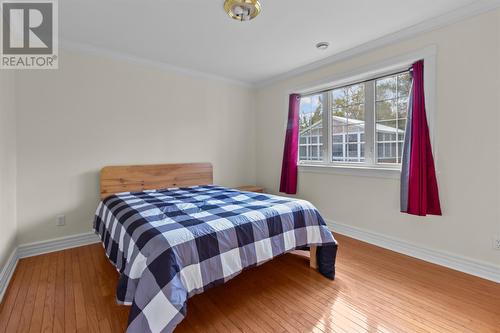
171,244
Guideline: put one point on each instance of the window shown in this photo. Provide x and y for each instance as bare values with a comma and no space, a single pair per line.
311,128
348,122
364,123
391,103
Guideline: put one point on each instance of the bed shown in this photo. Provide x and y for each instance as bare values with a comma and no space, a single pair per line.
172,234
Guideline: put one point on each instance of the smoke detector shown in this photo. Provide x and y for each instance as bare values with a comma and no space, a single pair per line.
322,45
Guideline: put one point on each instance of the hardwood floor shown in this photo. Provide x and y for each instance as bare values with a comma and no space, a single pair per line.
375,291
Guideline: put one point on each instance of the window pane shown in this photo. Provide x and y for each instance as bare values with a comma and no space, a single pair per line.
340,98
348,123
386,88
355,112
353,150
302,151
391,111
386,141
354,133
402,125
338,152
314,153
339,131
386,110
387,128
356,94
352,138
404,84
338,112
311,128
402,107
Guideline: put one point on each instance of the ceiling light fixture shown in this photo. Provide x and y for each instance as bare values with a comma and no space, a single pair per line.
242,10
322,45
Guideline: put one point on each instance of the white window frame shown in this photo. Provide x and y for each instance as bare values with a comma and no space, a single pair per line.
369,72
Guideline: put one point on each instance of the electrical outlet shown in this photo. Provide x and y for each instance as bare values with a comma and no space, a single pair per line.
61,220
496,243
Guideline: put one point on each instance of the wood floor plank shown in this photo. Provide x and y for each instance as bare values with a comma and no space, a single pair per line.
214,311
69,296
375,290
10,296
59,294
49,306
102,311
29,303
85,313
36,319
15,317
88,286
118,313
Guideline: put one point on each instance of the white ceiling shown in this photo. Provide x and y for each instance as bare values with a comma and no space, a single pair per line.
197,34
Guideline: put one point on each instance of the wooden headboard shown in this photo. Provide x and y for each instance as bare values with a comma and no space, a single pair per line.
135,178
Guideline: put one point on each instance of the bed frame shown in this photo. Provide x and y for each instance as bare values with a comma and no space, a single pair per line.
136,178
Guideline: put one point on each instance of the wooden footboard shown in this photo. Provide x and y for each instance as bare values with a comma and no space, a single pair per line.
313,260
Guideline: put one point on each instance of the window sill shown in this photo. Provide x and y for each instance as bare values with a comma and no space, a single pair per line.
347,170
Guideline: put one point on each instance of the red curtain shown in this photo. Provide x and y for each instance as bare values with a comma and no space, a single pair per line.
423,194
288,182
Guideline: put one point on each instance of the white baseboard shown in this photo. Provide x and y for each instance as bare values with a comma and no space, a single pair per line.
37,248
7,272
453,261
56,244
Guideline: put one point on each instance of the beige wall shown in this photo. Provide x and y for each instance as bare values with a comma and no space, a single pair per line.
96,111
467,136
8,223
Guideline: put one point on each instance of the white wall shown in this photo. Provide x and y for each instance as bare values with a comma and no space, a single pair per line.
467,136
8,225
96,111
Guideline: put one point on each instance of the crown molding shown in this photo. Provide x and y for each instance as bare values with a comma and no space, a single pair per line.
459,14
82,48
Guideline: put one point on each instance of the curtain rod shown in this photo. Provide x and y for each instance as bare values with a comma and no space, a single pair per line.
350,84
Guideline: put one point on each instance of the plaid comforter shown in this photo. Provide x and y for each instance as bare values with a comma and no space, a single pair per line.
171,244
